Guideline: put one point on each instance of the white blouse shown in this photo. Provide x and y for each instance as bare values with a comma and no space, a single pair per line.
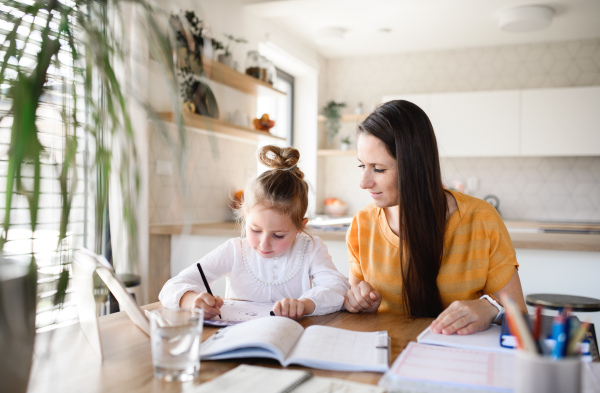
305,270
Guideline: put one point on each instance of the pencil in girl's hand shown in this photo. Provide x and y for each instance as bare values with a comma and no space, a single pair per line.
206,283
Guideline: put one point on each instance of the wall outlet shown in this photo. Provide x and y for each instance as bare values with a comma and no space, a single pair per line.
164,168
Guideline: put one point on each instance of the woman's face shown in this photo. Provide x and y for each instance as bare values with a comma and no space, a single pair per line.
379,171
269,233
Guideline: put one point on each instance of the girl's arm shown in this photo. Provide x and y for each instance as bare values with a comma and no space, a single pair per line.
215,265
329,285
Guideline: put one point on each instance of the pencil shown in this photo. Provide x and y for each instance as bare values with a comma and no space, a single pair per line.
522,331
577,338
206,283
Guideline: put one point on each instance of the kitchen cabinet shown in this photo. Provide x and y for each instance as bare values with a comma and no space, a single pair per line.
561,122
476,124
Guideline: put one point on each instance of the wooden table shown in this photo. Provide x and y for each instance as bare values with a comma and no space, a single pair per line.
65,362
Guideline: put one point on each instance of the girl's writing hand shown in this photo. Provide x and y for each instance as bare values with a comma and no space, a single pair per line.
465,317
209,304
362,297
293,308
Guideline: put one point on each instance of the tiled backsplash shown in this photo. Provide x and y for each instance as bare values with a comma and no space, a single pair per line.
553,188
537,189
217,166
534,188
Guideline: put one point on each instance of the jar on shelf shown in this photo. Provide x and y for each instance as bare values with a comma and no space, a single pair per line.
253,64
262,62
271,72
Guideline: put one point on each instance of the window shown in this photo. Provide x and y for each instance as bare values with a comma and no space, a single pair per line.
53,134
281,109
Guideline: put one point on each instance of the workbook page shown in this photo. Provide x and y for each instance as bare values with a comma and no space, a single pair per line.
237,311
456,367
274,334
340,349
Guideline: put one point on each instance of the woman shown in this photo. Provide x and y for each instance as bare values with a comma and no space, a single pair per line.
455,247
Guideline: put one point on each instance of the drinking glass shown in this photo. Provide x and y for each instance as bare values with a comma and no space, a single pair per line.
175,336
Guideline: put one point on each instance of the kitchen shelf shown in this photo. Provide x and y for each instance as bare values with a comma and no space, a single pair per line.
348,117
219,126
336,152
227,76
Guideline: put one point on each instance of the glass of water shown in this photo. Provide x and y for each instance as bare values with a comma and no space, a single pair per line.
176,335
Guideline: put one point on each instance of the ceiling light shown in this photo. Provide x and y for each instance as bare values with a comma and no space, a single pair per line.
526,18
328,36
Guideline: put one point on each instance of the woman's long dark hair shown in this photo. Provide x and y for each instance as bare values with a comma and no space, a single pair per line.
408,135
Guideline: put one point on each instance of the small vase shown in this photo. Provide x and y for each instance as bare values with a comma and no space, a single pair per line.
17,323
345,146
226,59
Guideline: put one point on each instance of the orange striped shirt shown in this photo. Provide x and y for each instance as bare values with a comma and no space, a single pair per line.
478,256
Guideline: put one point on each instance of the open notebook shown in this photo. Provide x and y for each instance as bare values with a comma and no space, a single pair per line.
286,341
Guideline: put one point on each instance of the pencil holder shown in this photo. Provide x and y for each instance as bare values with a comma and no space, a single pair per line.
540,374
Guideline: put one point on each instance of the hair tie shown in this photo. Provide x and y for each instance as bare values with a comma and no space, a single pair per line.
290,168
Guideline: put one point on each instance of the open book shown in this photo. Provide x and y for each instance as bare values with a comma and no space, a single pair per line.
286,341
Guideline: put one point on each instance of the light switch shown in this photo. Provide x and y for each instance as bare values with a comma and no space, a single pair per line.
164,168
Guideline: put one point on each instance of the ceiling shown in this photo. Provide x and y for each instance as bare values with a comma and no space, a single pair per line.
376,27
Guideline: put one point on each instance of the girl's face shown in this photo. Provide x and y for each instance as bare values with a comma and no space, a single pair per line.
379,171
269,233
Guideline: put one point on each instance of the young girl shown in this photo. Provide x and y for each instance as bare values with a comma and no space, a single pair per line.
276,262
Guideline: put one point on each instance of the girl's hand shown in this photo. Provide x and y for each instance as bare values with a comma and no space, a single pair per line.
465,317
293,308
362,298
209,304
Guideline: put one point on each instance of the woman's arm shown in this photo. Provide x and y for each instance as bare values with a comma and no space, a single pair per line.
470,316
361,297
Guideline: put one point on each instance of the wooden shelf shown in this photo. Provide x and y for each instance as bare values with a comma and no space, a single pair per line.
348,117
335,152
219,126
227,76
223,74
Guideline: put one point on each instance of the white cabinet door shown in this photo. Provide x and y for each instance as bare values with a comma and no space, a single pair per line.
476,124
561,122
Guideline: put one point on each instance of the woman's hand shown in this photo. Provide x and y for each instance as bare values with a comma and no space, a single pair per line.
465,317
362,298
293,308
470,316
210,304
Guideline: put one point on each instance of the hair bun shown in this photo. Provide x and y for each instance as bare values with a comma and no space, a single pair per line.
280,158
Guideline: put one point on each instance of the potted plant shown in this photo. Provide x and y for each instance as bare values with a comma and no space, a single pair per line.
34,80
332,114
194,42
345,143
227,57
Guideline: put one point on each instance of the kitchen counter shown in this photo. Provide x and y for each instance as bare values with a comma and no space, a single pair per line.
524,234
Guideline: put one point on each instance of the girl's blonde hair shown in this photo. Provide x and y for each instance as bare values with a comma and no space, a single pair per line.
282,188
